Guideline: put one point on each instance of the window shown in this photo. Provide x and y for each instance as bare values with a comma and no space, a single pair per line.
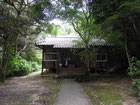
101,57
51,56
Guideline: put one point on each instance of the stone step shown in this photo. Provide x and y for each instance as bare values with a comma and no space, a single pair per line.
71,66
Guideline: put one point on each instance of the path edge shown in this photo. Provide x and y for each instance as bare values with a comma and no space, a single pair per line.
56,94
89,94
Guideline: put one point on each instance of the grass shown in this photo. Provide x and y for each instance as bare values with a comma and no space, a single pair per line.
53,85
103,95
57,90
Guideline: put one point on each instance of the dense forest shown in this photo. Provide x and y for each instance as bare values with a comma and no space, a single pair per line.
22,21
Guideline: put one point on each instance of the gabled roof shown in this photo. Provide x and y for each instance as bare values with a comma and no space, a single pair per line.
68,42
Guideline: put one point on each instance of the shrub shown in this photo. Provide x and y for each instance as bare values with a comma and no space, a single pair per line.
31,56
135,73
24,66
17,66
84,77
35,66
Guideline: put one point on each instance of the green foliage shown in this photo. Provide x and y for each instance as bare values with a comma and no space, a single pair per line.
38,8
134,67
31,56
84,54
135,73
119,23
18,66
16,21
35,66
83,77
66,29
116,19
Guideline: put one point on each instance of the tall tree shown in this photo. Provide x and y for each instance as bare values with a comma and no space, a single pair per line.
120,19
79,14
15,19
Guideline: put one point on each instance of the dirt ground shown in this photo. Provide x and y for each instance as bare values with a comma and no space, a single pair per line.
28,90
116,84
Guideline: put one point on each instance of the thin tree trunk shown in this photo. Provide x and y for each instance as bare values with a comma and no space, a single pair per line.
6,52
3,67
126,43
5,56
126,50
87,57
134,26
25,46
16,46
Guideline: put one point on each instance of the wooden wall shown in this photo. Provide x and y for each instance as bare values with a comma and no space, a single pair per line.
61,54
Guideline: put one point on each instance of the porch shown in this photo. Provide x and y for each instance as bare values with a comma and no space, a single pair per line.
61,61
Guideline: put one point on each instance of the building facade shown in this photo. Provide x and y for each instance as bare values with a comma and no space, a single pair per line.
57,55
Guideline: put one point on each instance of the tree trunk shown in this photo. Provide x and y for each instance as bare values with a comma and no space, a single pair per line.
134,26
87,54
6,52
16,46
126,49
87,61
126,42
19,52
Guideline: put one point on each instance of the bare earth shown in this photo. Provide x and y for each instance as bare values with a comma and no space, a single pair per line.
28,90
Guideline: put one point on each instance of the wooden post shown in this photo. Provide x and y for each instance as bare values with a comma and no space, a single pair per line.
42,59
58,61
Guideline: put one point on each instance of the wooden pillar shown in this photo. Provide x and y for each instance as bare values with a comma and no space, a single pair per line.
58,61
42,59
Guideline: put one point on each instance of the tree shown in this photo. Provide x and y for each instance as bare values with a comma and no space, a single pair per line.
119,20
15,19
27,40
79,14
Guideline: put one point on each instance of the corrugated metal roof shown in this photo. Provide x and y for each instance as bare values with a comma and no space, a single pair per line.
68,42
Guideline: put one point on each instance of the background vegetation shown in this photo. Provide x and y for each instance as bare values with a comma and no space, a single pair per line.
21,21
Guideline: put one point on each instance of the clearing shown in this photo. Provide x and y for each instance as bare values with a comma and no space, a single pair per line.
110,90
29,90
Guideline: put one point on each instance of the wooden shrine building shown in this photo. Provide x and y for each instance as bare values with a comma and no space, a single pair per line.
57,55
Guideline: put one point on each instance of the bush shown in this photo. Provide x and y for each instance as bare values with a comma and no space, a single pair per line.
135,73
24,66
84,77
35,66
18,66
31,56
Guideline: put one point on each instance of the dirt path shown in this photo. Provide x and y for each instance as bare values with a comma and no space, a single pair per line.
28,90
72,93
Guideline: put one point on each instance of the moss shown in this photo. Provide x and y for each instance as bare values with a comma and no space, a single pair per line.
92,98
57,90
103,94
